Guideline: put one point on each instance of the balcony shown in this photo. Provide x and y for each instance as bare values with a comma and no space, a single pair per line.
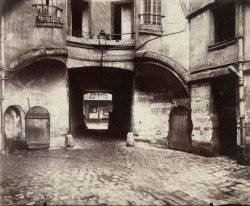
48,16
77,37
151,24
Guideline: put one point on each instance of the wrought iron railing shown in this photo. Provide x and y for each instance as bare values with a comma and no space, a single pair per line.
48,15
80,37
49,19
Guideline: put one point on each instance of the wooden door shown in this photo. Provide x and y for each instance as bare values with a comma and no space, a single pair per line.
180,130
38,128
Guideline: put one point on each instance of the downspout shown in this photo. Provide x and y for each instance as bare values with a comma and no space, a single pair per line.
241,75
2,86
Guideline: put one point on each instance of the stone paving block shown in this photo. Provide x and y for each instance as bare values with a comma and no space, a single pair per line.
191,178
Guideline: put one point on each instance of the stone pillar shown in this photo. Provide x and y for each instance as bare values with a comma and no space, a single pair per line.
205,135
243,155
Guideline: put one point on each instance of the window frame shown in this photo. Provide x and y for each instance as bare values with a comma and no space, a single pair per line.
221,20
152,12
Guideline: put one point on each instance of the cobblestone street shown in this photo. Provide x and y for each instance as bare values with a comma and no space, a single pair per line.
106,172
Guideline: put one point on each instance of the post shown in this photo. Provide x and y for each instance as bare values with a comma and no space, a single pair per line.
2,86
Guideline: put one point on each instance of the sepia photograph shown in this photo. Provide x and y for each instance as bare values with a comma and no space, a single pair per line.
125,102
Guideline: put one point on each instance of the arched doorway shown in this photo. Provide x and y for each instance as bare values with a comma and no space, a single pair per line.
14,128
180,129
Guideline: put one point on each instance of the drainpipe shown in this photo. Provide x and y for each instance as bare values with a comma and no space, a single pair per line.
241,75
2,86
241,154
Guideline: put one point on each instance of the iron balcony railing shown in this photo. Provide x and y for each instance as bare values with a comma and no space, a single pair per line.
81,37
48,15
49,19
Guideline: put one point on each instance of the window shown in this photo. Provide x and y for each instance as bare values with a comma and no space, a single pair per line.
80,18
152,12
122,21
224,22
151,17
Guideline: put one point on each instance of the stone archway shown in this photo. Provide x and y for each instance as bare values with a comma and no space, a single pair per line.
14,127
157,90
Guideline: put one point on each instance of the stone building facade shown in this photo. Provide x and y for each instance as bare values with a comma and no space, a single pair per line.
177,70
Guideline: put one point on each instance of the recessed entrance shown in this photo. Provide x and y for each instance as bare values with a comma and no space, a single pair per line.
103,95
224,90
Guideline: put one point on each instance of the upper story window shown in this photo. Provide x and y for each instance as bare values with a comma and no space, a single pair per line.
101,22
80,18
224,22
151,18
48,14
152,12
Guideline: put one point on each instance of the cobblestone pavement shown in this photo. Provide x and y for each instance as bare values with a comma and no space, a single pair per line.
98,172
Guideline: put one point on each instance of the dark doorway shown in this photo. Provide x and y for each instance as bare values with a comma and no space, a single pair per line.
180,130
96,81
117,22
224,89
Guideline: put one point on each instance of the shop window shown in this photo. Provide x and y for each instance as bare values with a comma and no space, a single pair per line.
151,18
224,22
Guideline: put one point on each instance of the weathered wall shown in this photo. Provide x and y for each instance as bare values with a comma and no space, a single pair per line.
157,91
45,84
200,39
205,136
247,97
150,117
87,57
195,5
174,41
21,31
247,31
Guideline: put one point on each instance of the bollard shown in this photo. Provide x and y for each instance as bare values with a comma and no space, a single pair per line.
130,140
69,142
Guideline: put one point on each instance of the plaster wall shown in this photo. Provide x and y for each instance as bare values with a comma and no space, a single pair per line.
197,4
201,39
22,33
247,32
174,41
87,57
42,84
